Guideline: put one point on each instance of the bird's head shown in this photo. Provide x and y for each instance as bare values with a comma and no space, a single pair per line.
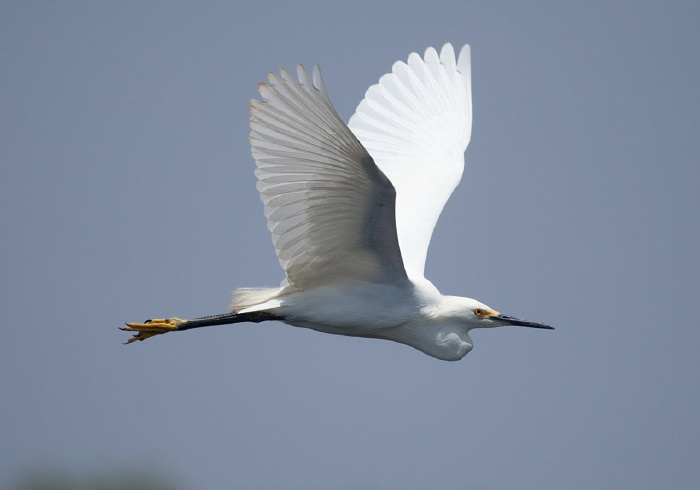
475,314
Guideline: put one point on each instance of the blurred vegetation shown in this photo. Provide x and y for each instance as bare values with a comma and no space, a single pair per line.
60,481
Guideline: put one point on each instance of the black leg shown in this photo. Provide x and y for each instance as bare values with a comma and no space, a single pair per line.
226,318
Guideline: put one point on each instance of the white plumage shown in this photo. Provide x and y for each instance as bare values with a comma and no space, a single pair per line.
416,123
351,208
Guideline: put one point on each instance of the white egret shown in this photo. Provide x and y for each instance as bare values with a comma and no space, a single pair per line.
351,208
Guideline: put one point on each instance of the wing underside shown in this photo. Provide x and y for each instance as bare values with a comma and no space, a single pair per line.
416,123
330,210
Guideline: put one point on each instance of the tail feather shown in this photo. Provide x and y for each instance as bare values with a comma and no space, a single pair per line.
246,297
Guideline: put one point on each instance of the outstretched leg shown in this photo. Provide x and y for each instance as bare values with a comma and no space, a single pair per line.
149,328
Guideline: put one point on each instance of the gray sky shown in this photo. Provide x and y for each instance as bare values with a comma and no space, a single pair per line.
127,192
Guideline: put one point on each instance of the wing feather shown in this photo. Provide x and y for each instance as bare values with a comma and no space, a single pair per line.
416,123
330,210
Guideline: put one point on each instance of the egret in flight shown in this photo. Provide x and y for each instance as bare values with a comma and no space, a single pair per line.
351,207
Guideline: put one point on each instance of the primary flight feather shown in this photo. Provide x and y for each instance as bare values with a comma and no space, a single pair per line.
351,208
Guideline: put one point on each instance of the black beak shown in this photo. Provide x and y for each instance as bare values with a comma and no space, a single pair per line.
511,320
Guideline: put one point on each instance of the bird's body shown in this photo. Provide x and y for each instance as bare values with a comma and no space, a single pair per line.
351,208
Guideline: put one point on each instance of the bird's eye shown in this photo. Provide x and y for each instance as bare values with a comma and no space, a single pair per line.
478,312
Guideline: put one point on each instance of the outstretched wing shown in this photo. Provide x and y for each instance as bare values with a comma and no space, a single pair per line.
416,123
330,210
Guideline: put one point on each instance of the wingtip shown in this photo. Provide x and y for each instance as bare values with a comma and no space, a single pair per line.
254,106
431,55
317,79
447,54
464,61
285,75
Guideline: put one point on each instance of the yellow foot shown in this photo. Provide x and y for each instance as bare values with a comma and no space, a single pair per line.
149,328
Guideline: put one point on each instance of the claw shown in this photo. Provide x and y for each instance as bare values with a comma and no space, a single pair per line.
151,327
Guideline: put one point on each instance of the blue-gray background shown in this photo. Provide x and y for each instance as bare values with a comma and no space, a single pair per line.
127,192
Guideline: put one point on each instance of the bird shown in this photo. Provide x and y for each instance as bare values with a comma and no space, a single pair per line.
352,207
